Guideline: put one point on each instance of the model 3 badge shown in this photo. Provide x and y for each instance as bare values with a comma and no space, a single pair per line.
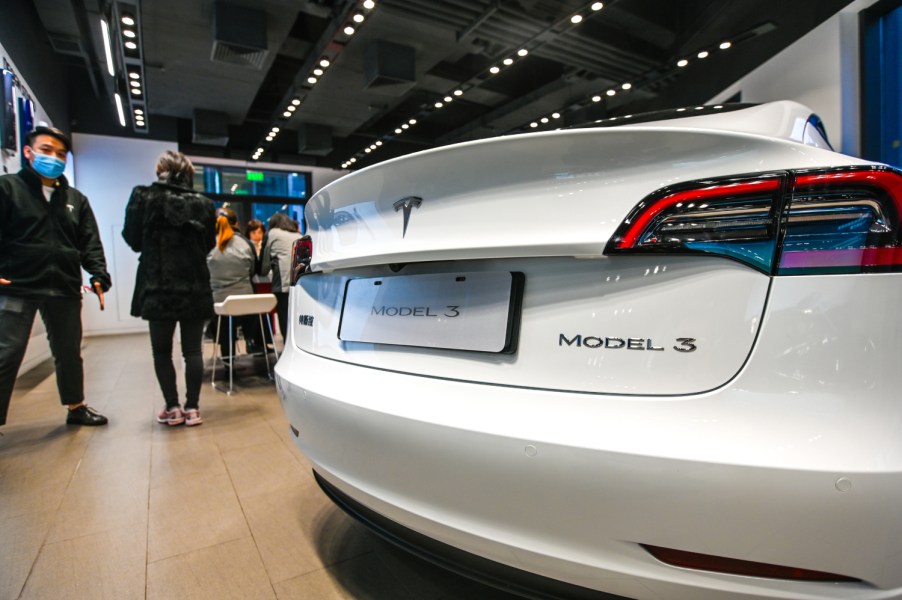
406,204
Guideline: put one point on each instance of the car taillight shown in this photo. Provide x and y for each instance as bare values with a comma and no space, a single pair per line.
732,217
843,222
301,253
828,221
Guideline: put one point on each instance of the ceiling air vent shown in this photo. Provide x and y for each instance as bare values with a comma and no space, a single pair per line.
239,35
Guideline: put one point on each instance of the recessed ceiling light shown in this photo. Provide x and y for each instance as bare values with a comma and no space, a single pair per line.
127,20
138,111
703,54
627,86
405,126
458,92
367,150
296,101
358,18
134,75
378,142
135,83
576,19
597,6
611,92
324,63
596,98
494,70
311,80
508,61
286,114
412,121
128,33
292,108
369,5
544,119
439,105
522,52
398,130
556,115
349,30
131,45
136,91
317,72
533,124
276,130
682,62
725,45
448,98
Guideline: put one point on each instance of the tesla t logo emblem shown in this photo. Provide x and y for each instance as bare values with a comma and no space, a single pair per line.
406,204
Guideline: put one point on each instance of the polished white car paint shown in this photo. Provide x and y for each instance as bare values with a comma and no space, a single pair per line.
777,440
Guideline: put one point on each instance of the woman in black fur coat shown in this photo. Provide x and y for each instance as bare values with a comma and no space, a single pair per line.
174,229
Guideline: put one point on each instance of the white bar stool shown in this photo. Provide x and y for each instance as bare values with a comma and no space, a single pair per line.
236,306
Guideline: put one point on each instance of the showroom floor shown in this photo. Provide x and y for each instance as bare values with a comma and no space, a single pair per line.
139,510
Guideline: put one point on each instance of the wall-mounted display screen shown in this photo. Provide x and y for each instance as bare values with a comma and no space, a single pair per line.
7,112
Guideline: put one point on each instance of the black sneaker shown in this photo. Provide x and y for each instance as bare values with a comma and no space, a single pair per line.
85,415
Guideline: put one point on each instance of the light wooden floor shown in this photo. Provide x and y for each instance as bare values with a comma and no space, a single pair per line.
139,510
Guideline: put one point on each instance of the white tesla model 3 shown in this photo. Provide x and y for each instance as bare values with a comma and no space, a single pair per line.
654,360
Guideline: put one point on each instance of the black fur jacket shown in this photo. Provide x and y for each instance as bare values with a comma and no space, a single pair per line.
174,229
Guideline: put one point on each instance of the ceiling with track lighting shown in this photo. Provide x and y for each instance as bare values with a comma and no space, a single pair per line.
347,83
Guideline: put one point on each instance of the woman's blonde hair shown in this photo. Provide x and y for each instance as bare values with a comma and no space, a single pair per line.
175,168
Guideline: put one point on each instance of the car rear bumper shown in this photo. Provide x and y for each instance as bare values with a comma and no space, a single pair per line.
569,485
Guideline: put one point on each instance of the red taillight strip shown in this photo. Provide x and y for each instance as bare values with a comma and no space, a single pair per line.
855,257
632,234
733,566
888,181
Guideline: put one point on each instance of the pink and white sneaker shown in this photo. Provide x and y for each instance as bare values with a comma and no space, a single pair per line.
171,417
192,417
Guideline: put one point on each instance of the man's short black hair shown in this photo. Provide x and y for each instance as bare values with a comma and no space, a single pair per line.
52,132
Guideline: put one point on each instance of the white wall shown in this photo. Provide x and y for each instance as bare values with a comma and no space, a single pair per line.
820,71
106,170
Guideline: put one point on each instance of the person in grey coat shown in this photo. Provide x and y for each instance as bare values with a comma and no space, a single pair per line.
232,264
283,232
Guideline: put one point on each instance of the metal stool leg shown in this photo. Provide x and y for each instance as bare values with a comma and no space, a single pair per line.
265,352
215,348
231,355
273,338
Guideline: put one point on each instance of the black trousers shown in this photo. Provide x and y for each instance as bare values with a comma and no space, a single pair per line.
161,334
62,319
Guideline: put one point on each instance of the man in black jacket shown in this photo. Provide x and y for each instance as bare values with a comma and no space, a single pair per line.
47,234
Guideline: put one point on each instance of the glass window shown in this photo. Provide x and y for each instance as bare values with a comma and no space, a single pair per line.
255,193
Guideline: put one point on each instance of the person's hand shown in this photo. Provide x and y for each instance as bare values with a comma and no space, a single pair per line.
99,291
5,281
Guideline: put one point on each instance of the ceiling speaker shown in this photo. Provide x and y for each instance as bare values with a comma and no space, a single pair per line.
314,139
387,63
210,127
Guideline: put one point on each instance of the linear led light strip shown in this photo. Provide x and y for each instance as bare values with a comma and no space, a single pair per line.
627,86
574,19
314,76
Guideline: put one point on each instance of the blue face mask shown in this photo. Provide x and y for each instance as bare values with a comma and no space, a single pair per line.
48,166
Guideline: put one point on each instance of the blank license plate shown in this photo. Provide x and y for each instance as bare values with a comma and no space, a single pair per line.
459,311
